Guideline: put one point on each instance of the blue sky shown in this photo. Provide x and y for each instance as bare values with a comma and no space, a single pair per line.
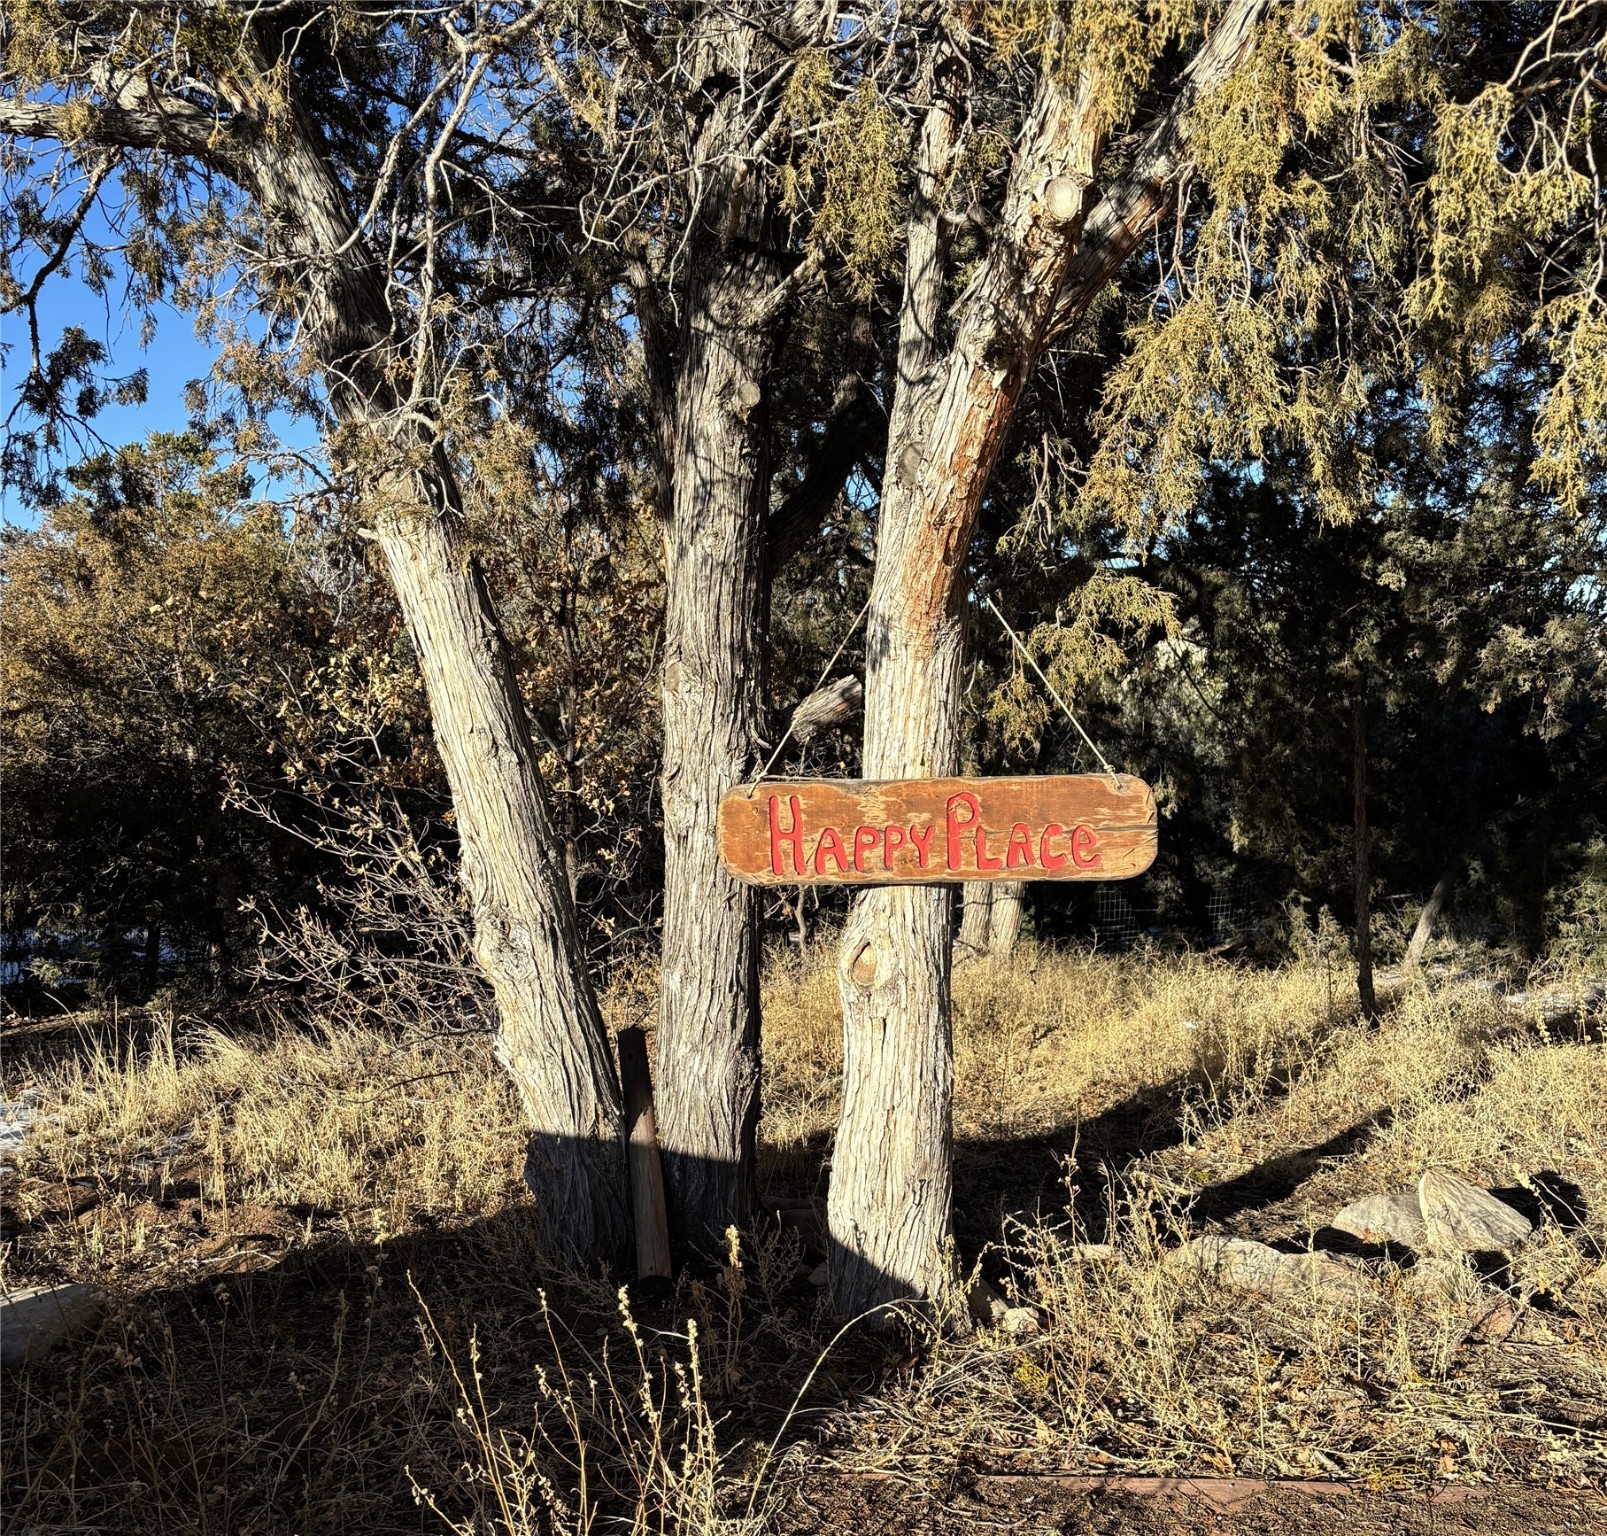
174,357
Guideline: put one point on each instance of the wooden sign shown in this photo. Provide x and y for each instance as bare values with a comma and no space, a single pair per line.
924,831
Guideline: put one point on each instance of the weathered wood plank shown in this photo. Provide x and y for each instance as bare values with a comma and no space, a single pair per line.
929,831
647,1174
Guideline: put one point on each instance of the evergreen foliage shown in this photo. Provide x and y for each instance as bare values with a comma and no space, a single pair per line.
1338,422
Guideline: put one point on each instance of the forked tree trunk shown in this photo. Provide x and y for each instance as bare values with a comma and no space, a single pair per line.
890,1194
1004,925
891,1183
891,1180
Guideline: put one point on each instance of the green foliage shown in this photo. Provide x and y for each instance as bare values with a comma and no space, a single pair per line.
1112,45
1578,914
1340,423
1093,636
848,170
1372,206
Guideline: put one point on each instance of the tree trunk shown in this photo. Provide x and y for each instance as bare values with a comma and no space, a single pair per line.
889,1200
153,957
976,920
712,686
891,1181
1364,899
550,1033
1004,926
1424,931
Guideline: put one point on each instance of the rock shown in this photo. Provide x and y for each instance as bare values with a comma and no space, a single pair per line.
1443,1214
1461,1216
1558,1004
35,1319
986,1305
16,1115
15,1118
1265,1271
802,1218
1087,1253
1020,1322
1390,1218
1498,1323
819,1275
991,1310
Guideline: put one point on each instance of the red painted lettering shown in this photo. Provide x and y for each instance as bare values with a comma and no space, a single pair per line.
921,840
1019,854
969,801
831,844
892,840
984,859
778,837
865,838
1082,841
1045,857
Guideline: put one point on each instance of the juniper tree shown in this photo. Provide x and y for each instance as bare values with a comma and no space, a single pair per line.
449,219
1063,83
155,621
833,230
1372,193
1463,608
320,167
690,133
1397,310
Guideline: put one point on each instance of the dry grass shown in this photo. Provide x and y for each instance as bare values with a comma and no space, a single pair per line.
1046,1041
345,1133
325,1295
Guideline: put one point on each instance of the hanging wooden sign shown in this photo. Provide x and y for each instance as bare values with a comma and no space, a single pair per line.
925,831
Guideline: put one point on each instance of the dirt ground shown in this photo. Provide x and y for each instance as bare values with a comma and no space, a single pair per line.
1179,1507
324,1295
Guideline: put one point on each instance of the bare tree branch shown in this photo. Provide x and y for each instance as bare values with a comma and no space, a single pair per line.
1132,205
164,123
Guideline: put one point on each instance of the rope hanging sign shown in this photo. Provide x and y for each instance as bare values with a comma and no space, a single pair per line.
929,831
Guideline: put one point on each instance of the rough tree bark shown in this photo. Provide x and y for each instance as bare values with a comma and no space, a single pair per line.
713,428
888,1202
890,1194
550,1034
1004,922
722,545
976,920
990,918
712,697
831,704
1423,933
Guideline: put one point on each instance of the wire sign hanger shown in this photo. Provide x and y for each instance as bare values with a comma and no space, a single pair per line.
930,831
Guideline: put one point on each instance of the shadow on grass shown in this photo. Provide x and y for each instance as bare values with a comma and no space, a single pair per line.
312,1392
308,1388
306,1383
